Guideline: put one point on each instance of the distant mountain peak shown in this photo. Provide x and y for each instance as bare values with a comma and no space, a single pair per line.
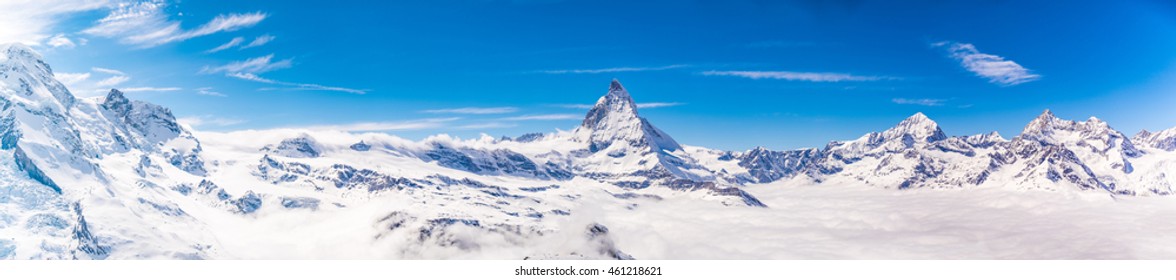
1143,133
1047,124
1044,123
919,126
918,116
1163,139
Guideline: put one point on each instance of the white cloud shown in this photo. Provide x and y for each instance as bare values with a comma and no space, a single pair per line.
107,71
70,80
487,125
32,21
545,117
259,41
798,76
208,91
149,89
474,110
208,121
252,66
996,69
292,86
612,70
251,77
82,85
658,104
112,81
60,41
385,126
313,87
231,43
575,106
146,24
922,101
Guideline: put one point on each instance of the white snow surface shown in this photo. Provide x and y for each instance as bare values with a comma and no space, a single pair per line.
129,182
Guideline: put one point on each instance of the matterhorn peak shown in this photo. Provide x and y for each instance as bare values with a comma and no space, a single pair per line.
616,102
617,88
614,119
918,126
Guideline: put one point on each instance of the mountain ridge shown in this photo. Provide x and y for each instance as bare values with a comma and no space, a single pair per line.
116,178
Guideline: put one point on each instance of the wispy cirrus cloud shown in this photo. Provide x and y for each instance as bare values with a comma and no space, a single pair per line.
487,125
996,69
112,81
824,77
474,110
612,70
146,24
255,65
574,106
150,89
33,22
71,80
208,121
237,41
385,126
208,91
227,45
100,80
548,117
292,86
60,41
919,101
259,41
108,71
248,70
658,104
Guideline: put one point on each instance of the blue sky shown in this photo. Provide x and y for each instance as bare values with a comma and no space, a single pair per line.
721,74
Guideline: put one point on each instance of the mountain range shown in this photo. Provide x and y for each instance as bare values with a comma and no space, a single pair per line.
110,177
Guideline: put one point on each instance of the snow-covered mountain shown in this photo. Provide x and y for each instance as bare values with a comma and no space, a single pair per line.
1163,140
110,177
612,125
1050,154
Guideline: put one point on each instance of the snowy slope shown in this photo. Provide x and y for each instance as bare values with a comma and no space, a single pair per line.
1163,140
114,178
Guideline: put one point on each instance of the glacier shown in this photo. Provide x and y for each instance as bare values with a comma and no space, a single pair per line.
113,178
